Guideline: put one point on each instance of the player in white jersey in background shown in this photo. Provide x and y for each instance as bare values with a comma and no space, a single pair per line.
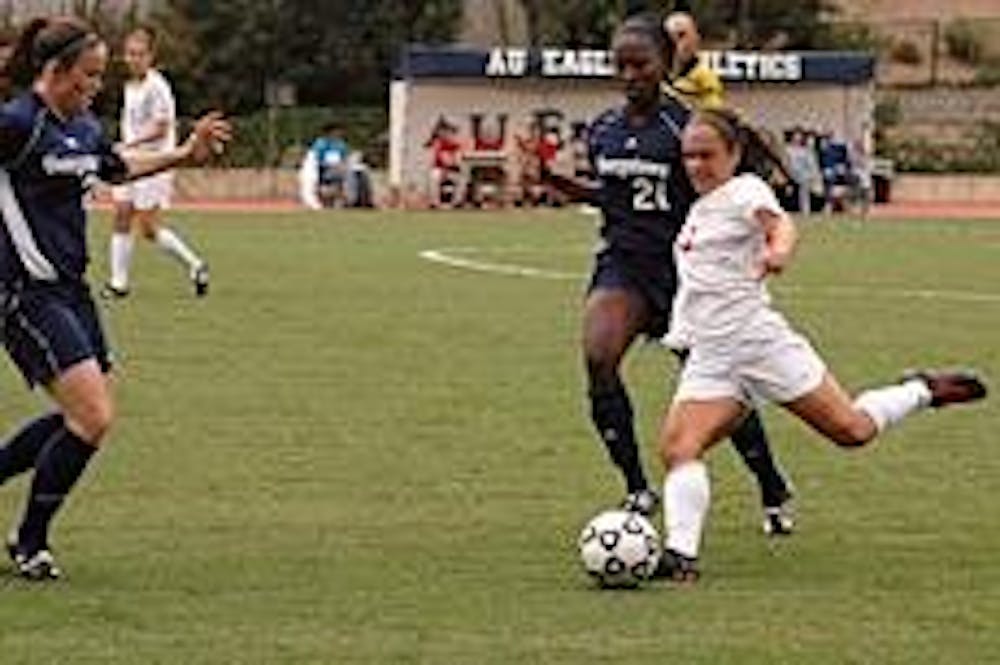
743,350
148,123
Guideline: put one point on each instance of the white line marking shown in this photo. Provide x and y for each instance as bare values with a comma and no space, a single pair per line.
448,256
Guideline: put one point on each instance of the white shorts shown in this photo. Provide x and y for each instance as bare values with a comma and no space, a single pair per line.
146,193
779,369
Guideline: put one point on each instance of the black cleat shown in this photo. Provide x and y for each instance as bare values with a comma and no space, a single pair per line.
109,292
676,567
949,387
779,520
38,566
199,277
779,512
645,502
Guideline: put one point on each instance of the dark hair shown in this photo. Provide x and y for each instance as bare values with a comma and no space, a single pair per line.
651,27
61,39
727,123
147,31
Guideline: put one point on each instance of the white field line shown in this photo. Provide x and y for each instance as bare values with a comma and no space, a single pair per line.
450,256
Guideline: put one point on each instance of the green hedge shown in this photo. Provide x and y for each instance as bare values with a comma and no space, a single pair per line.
295,128
980,154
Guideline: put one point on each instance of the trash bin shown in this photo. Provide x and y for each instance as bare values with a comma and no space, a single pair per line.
883,171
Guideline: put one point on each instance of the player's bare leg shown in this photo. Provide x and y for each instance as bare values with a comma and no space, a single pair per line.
690,428
170,242
121,247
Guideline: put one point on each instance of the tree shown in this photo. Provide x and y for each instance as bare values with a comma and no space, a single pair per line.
330,50
761,23
573,23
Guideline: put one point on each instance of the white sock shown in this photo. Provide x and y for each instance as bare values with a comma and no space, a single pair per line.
888,406
121,259
172,244
686,498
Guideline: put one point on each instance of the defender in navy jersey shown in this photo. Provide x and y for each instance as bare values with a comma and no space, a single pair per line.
52,151
644,195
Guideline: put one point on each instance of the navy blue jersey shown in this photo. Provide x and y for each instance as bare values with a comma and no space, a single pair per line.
47,164
643,190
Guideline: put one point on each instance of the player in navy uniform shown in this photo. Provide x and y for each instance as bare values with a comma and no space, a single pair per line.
51,151
644,195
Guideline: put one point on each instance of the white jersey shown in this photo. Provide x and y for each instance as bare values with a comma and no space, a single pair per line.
718,252
147,102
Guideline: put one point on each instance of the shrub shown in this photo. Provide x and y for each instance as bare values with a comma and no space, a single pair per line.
964,41
906,52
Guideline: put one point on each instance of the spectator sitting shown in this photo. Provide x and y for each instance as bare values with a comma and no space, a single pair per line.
333,175
538,153
836,168
487,167
324,170
446,174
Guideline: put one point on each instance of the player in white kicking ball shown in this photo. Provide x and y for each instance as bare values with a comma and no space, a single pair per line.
743,350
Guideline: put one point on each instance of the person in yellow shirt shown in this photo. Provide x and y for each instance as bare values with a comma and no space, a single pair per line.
699,87
689,78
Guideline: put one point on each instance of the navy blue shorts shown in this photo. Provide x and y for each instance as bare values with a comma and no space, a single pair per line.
48,328
652,277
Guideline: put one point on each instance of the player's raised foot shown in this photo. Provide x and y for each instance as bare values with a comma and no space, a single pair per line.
675,567
645,502
199,277
109,292
950,387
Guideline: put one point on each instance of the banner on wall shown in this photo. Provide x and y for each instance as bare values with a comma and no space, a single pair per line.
512,63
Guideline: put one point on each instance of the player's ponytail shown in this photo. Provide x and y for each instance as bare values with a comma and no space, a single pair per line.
45,40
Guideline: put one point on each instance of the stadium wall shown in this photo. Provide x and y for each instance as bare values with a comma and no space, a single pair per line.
252,186
508,88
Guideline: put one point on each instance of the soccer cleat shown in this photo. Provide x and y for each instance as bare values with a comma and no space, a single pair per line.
39,566
199,277
676,567
645,502
949,387
109,292
778,520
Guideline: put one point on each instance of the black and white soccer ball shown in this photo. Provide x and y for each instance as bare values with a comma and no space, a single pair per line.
620,549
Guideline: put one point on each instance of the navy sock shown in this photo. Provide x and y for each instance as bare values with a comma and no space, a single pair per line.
750,441
22,448
59,466
611,412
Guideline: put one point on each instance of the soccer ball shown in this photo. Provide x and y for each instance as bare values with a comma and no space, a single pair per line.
619,549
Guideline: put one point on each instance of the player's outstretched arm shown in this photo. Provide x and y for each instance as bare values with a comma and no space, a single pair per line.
209,136
576,190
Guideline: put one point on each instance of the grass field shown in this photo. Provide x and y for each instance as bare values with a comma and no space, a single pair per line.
348,454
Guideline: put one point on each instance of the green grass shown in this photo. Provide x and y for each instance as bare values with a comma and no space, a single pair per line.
347,454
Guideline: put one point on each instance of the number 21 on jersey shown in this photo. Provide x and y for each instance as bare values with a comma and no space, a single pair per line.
649,195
